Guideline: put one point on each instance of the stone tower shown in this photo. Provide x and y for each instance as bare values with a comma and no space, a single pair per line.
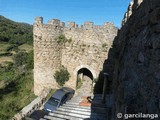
87,49
47,53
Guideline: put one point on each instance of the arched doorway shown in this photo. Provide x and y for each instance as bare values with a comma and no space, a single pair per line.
85,80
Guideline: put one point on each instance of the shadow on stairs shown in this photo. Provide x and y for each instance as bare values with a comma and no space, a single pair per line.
81,111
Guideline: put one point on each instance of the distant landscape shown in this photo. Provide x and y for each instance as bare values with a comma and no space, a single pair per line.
16,67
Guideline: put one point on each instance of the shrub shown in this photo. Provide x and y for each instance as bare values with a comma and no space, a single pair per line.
61,39
79,83
69,40
30,61
104,45
62,76
20,58
95,80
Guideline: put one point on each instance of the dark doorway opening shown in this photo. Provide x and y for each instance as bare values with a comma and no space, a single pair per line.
85,79
85,72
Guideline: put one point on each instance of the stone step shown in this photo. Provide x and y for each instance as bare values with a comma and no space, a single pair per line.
42,119
93,111
53,118
72,103
64,113
75,108
74,111
94,105
97,110
79,113
68,116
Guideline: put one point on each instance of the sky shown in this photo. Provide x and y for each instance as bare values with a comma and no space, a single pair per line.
97,11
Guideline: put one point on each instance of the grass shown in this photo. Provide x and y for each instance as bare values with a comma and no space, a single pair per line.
26,47
6,59
3,47
16,89
50,93
2,84
6,75
15,95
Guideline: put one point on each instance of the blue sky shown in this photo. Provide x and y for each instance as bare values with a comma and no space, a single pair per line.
97,11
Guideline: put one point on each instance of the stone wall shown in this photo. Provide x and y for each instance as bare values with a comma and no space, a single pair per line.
47,55
87,48
136,61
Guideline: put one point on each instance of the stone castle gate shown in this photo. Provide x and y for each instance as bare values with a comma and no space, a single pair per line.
87,48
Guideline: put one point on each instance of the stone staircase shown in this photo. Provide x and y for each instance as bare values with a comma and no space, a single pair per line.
73,111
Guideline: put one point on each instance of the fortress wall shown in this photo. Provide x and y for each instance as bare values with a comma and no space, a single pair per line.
89,46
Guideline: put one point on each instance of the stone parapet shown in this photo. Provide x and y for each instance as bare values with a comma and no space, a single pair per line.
69,25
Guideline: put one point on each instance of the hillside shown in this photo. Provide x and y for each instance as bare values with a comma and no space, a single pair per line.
15,33
14,36
16,64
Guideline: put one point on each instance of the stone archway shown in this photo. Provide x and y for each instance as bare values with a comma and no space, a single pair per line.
85,80
86,75
87,67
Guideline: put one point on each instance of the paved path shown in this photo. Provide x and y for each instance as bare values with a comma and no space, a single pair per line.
85,90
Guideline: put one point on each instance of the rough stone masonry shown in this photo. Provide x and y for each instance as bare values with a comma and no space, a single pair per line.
136,57
87,48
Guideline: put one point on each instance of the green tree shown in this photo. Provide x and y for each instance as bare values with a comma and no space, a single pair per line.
62,76
30,61
20,58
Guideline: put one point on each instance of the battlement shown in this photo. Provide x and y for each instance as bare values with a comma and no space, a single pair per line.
88,25
39,20
55,22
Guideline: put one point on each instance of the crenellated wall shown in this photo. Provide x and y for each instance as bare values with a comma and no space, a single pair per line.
87,48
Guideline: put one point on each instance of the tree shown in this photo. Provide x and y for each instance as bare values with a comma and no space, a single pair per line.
20,58
62,76
30,60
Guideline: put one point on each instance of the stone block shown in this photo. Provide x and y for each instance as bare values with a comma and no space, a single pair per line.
155,16
62,24
71,24
144,21
155,41
156,28
54,22
88,25
39,20
154,4
141,58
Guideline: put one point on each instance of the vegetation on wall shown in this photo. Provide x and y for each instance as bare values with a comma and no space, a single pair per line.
61,39
79,83
61,76
104,45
